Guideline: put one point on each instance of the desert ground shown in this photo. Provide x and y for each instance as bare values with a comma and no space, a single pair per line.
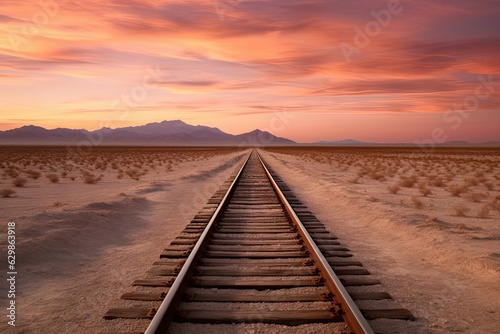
427,224
89,223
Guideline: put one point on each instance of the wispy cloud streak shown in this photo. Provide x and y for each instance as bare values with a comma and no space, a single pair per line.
255,56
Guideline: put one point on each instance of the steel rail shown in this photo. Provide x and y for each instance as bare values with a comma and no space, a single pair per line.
343,301
166,311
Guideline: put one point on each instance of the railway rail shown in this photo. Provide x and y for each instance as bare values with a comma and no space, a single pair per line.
253,244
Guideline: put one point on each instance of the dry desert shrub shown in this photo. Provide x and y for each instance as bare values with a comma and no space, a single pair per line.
354,180
450,176
482,179
417,202
391,172
5,193
495,204
476,197
456,190
91,178
479,174
133,174
394,189
33,174
19,182
472,181
438,182
408,182
379,176
425,191
52,178
68,168
484,212
461,209
489,185
431,177
362,172
101,166
11,172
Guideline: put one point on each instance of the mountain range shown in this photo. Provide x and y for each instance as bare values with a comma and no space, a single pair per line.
174,133
163,133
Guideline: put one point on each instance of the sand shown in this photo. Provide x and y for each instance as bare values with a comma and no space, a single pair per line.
443,267
80,246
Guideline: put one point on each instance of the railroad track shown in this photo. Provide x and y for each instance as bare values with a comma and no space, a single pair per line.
255,254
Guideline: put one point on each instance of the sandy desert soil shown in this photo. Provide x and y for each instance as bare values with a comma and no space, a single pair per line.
81,243
427,225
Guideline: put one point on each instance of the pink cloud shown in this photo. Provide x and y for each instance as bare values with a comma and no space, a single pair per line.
252,57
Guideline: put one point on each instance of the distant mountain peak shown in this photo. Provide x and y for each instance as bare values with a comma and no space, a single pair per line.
172,122
32,127
258,137
27,129
341,142
174,132
258,131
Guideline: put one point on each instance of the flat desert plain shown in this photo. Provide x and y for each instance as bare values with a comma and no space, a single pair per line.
427,224
89,223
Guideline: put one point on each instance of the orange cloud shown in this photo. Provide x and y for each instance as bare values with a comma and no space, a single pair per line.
238,61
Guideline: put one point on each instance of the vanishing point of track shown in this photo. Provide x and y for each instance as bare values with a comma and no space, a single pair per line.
254,235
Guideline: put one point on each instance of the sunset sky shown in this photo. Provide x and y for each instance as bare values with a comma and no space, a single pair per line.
308,70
